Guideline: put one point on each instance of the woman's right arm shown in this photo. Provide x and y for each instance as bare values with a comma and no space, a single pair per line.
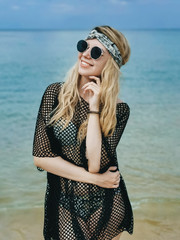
63,168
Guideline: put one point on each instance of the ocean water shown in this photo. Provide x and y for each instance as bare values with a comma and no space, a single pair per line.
149,150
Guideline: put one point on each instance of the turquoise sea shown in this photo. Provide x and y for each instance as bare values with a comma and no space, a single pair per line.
148,153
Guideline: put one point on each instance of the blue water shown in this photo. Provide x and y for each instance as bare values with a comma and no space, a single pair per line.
150,147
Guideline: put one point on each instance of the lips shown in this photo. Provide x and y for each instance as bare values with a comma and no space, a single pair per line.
85,63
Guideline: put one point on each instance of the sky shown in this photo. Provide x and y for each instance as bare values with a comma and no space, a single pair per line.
85,14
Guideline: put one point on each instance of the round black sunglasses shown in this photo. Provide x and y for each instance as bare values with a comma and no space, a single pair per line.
96,52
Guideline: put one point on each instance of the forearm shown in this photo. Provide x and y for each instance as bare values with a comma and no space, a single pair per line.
93,143
63,168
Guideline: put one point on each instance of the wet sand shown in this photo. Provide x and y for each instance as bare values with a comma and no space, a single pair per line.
155,221
27,224
23,224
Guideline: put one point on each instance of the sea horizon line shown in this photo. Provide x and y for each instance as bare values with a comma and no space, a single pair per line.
83,29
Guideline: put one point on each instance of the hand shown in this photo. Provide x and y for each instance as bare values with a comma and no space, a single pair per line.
108,179
93,90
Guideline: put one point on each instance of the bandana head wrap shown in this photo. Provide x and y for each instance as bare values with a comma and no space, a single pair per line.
108,44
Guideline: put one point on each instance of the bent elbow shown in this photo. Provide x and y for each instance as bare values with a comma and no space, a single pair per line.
94,165
93,169
37,162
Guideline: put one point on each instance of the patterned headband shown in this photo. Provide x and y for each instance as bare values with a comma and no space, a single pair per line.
108,44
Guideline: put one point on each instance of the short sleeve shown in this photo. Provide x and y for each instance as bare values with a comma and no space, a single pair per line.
122,115
109,144
42,146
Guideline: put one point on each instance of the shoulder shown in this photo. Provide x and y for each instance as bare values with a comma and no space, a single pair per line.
50,95
122,108
52,90
54,87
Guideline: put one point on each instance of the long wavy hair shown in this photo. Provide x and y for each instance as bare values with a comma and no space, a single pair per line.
69,94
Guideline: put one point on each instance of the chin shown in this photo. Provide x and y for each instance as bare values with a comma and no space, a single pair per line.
87,72
84,72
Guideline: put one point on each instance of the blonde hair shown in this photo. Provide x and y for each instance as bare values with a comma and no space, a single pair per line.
69,94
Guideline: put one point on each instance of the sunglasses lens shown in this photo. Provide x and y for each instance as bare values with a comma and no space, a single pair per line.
82,46
96,52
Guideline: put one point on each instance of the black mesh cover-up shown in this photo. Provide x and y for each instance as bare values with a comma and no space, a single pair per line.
76,210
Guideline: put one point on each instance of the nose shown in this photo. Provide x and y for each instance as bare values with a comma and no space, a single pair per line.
86,53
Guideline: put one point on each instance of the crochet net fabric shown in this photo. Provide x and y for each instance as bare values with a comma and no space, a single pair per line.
76,210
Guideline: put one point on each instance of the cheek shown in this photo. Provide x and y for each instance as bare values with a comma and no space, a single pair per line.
79,55
99,66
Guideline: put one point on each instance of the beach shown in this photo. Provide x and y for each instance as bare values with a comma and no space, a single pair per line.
26,224
148,152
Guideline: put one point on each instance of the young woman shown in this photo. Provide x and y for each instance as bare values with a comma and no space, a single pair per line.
79,125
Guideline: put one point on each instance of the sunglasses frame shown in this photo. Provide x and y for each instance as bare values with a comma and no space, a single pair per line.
102,52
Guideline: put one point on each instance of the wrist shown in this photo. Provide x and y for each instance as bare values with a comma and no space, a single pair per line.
95,178
93,112
94,108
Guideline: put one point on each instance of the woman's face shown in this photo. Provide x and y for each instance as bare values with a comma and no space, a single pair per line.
89,66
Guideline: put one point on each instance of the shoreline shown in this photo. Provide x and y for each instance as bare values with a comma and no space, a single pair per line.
149,224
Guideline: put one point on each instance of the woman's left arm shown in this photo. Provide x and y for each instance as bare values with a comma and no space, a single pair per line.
93,143
93,137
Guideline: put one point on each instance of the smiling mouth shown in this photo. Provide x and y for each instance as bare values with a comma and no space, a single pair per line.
85,64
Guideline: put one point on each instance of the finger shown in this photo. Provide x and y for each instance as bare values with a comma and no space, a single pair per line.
97,79
117,178
91,84
112,168
93,89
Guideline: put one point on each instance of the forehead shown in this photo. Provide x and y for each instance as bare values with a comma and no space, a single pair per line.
95,42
